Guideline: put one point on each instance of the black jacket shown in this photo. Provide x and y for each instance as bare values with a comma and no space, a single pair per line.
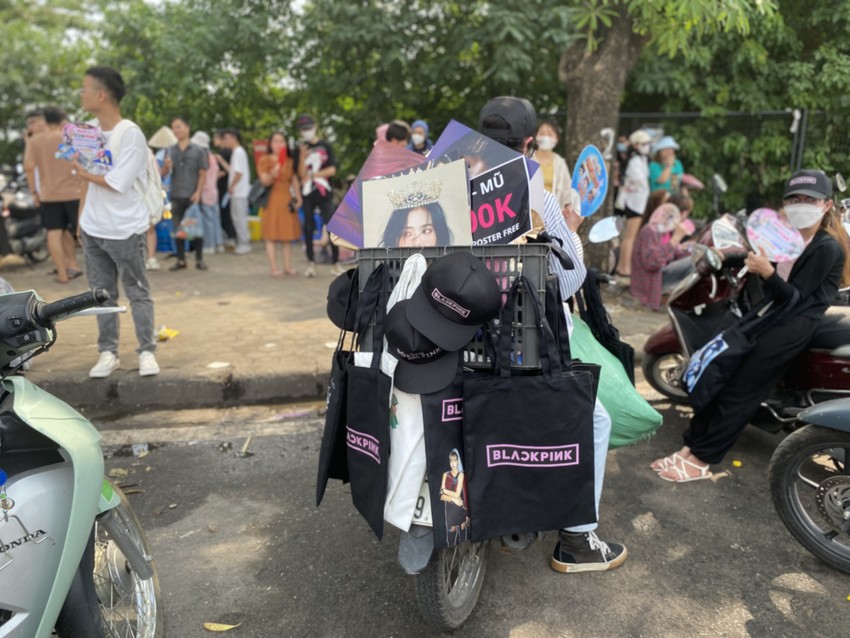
816,275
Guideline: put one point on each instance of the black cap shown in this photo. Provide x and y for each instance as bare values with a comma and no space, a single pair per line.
809,182
338,296
423,367
305,121
456,295
517,114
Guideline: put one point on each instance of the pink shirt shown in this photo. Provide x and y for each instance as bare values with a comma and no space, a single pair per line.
209,193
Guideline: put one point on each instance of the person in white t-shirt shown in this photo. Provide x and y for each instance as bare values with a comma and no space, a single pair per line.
114,222
238,187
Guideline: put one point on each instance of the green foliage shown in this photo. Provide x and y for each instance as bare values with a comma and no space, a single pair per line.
796,58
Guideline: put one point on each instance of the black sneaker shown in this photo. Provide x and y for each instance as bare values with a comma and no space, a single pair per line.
180,265
584,552
202,265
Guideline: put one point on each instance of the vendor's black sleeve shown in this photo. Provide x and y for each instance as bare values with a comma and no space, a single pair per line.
819,266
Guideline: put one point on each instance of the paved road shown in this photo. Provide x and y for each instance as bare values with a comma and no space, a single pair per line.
239,540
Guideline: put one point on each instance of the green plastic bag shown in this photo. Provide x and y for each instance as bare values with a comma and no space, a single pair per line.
633,419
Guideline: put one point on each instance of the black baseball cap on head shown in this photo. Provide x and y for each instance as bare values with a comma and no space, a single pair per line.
338,295
423,366
811,183
456,295
305,121
517,114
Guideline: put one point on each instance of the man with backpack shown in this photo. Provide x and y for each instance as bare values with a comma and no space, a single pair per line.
115,219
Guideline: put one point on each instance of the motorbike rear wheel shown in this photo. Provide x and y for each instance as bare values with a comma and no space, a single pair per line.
130,607
448,588
809,477
664,373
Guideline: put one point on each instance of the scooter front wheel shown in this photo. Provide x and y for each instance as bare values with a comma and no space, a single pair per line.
448,588
664,373
130,606
809,480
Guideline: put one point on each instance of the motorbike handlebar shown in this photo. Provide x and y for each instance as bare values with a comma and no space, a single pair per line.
47,314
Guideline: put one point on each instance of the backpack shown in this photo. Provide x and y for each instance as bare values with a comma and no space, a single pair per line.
152,195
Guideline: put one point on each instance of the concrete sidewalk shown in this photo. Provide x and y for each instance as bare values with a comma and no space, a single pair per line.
244,337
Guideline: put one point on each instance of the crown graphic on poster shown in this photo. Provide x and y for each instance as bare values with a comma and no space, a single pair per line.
417,194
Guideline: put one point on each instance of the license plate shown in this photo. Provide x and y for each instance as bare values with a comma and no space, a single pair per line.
422,511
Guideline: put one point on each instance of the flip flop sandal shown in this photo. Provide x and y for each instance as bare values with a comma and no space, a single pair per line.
73,273
679,467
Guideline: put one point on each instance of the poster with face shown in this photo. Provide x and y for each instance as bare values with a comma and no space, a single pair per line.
426,208
590,179
87,144
771,232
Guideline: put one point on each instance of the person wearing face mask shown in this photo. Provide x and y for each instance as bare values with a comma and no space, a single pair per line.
632,197
556,174
316,164
814,279
419,140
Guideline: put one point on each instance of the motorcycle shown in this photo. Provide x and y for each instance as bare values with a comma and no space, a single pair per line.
73,556
21,231
713,295
809,478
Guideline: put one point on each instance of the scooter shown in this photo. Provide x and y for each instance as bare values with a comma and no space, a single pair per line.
809,479
73,557
21,231
709,299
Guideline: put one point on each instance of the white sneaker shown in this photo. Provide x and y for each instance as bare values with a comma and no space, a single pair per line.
104,366
336,269
152,264
209,251
148,366
220,248
310,270
242,250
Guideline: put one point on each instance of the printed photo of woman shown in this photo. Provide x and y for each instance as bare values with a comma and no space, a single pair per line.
453,494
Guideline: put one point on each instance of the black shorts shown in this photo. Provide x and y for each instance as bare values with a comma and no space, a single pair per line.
631,214
60,215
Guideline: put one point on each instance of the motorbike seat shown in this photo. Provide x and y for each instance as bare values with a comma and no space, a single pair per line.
833,333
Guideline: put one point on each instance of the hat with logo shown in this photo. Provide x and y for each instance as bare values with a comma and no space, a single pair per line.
518,117
343,288
809,182
305,121
456,295
423,366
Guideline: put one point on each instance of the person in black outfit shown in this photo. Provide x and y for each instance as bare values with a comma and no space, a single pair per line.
816,276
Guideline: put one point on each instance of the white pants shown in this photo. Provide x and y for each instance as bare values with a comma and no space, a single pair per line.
239,215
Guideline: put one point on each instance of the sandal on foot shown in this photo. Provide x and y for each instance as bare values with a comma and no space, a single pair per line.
73,273
680,469
276,273
659,465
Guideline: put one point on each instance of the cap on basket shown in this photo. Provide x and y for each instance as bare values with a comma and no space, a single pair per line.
338,293
423,366
456,295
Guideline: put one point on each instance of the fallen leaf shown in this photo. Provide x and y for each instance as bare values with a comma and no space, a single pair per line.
118,472
217,626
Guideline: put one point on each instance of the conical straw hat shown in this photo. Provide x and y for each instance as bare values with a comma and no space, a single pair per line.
163,138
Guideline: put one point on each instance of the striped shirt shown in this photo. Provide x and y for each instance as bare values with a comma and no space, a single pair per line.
553,220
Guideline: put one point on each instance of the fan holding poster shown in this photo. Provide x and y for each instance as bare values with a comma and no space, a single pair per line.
428,208
86,144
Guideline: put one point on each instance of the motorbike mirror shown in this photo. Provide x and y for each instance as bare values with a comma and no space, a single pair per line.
840,184
605,229
719,184
3,182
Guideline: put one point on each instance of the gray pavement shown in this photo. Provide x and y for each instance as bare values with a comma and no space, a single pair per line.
244,337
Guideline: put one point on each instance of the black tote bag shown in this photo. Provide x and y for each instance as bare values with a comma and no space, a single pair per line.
367,422
711,367
442,416
333,458
528,440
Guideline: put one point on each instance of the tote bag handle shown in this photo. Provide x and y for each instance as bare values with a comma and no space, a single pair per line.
373,300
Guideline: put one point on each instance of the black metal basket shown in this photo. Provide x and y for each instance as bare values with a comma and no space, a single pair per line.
506,262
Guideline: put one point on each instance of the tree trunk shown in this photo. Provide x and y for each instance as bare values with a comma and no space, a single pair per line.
595,83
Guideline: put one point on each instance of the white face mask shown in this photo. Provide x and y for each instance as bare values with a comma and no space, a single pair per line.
308,135
643,149
804,215
546,142
418,140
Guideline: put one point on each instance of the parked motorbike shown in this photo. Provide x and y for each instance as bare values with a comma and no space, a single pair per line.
21,231
73,557
809,479
709,299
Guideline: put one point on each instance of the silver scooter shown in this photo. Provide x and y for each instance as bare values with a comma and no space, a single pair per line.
73,557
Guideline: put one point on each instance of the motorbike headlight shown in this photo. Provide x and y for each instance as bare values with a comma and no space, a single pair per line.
714,260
